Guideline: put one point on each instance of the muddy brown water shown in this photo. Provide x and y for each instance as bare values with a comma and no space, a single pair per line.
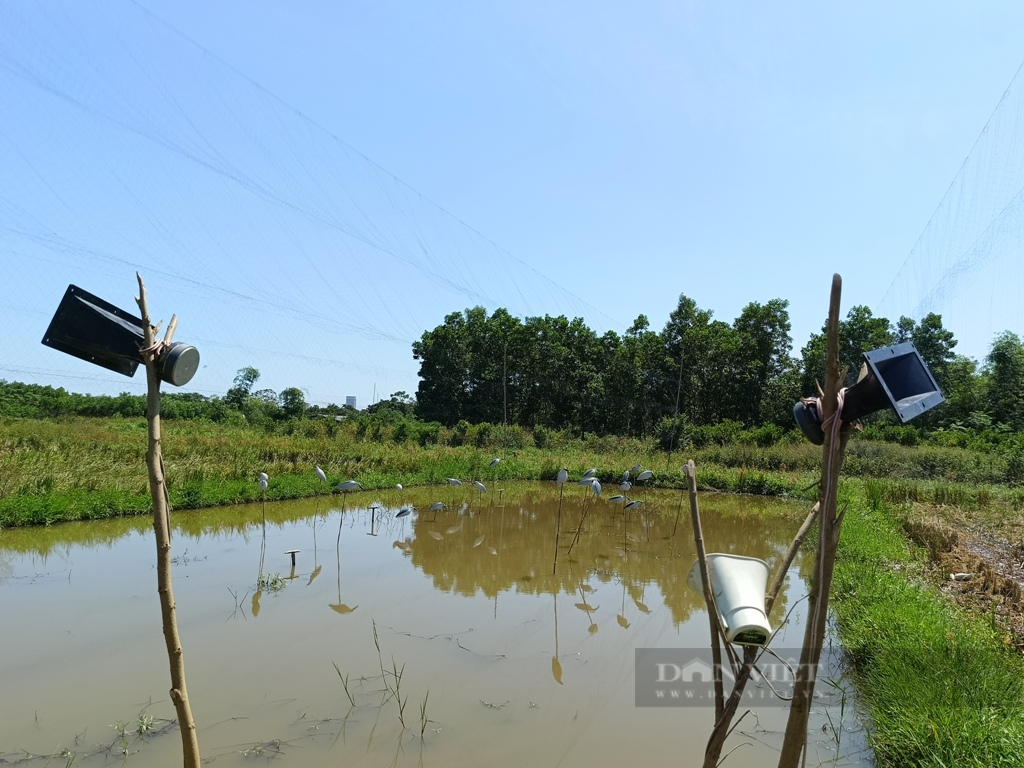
517,665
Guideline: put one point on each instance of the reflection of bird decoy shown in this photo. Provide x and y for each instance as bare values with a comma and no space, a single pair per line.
340,607
621,618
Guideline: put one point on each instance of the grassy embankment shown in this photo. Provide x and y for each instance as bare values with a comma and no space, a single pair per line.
81,468
942,685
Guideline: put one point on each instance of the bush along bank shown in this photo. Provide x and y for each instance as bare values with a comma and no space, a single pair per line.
940,685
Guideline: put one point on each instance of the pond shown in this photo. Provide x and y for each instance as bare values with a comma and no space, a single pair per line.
497,654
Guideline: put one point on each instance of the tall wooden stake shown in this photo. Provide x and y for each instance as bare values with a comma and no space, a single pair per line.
795,740
162,528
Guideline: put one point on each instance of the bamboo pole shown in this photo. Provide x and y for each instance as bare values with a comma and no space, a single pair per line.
795,739
690,471
151,353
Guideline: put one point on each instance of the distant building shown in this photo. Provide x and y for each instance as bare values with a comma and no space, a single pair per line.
351,400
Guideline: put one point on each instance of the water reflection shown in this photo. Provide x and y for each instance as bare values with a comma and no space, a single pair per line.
523,662
609,543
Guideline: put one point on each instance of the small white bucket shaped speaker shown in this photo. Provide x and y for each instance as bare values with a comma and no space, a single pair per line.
738,585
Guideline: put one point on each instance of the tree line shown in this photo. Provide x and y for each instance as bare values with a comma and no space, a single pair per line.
696,371
555,374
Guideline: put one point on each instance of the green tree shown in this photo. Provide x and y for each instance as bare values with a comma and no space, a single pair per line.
860,332
293,403
400,402
762,356
238,395
686,338
934,343
1004,376
444,365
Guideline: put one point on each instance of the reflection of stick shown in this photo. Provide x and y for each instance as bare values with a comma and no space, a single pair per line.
558,528
678,510
263,546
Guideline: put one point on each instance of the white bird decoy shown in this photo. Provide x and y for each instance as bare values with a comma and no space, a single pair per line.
480,486
348,485
438,505
495,462
321,474
645,475
563,475
596,485
590,473
398,486
634,504
635,469
263,476
625,485
454,481
263,482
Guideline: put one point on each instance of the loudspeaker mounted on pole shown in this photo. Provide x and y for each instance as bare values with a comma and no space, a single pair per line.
892,377
87,327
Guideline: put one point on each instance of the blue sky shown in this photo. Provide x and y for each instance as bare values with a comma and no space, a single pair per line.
609,155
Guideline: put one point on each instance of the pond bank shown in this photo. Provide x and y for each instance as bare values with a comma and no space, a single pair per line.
941,685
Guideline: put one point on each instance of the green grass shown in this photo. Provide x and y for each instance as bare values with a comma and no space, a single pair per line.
83,468
86,468
941,687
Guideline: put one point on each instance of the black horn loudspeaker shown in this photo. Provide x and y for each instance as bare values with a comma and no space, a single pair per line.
96,331
892,377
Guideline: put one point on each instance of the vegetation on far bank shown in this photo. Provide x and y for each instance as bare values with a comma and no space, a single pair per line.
84,468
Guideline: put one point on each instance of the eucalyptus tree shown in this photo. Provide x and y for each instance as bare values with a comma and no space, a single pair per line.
1004,380
860,332
443,357
935,345
762,358
685,339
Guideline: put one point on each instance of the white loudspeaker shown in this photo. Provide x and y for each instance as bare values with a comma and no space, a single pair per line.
738,585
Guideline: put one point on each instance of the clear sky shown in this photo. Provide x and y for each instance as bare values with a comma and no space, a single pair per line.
602,157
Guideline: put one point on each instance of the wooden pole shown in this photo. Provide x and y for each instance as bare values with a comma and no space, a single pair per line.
836,434
690,471
162,528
